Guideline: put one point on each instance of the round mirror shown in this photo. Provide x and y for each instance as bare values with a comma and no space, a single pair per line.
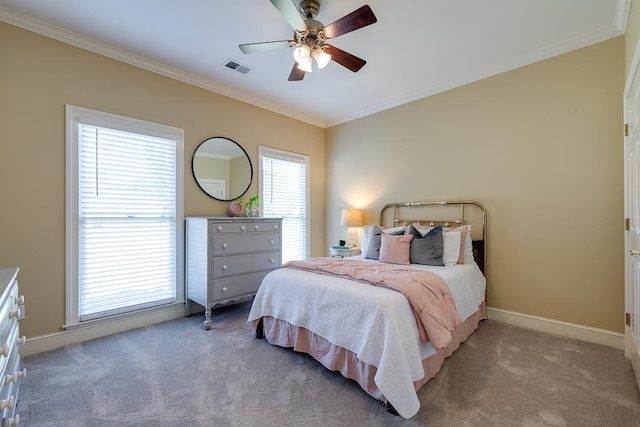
222,168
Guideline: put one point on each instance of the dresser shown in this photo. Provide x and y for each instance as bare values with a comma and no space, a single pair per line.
227,258
11,310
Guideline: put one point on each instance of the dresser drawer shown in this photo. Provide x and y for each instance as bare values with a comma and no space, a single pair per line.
9,313
240,264
236,286
228,227
243,243
9,392
260,226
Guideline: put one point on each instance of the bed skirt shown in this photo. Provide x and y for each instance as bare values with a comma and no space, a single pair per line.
283,334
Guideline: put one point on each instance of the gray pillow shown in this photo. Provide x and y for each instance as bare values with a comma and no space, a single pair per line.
427,249
372,251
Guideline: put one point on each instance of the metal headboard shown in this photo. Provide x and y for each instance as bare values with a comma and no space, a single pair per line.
479,245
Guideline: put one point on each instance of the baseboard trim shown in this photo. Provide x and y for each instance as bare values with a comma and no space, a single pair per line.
556,327
48,342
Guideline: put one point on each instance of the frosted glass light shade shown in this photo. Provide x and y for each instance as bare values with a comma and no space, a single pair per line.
302,54
305,66
322,58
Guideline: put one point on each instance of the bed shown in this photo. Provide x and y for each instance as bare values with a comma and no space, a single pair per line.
373,333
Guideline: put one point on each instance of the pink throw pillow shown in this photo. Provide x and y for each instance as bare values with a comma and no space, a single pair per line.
395,249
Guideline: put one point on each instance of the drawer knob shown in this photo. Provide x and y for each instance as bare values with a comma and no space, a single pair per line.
219,228
11,422
22,340
14,378
4,404
244,227
19,300
224,289
224,245
4,350
275,226
272,241
255,227
224,267
271,260
15,313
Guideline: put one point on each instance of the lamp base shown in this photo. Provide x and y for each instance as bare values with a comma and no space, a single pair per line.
352,238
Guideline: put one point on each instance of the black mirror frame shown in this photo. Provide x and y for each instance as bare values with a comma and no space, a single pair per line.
193,172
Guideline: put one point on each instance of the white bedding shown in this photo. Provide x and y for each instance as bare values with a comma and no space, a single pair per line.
375,323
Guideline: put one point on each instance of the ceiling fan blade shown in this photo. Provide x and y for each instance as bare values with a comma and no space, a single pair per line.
264,46
296,74
289,12
357,19
345,59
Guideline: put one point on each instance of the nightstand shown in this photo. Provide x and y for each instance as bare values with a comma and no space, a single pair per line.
341,253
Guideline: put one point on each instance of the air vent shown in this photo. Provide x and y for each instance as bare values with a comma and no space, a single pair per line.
235,65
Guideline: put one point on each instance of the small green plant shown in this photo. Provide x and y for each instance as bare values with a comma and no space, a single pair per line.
252,205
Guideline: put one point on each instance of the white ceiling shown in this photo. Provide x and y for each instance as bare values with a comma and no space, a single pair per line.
416,49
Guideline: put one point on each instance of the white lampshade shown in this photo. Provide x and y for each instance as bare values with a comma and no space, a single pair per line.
351,218
302,54
322,58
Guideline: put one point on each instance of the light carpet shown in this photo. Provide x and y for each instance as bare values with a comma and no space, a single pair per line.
178,374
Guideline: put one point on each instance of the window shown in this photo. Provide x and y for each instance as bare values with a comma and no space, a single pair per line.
124,215
284,190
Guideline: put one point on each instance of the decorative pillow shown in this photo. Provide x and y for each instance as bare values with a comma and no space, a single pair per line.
451,243
465,255
371,243
468,247
395,249
396,231
427,249
366,233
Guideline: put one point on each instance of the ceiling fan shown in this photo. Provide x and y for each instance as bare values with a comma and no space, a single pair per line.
310,36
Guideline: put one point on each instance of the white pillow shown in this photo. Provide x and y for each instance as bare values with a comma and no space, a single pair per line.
451,243
468,248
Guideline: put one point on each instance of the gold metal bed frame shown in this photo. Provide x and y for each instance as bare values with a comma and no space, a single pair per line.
479,245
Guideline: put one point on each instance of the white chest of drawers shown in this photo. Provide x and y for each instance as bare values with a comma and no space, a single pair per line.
11,309
227,258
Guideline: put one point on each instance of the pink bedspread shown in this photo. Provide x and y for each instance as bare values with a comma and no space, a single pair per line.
427,293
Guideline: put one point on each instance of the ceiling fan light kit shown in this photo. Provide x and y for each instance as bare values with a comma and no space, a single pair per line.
310,37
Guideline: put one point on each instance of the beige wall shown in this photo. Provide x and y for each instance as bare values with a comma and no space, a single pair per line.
38,76
541,148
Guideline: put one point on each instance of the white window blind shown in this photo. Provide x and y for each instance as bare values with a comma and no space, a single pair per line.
285,194
127,221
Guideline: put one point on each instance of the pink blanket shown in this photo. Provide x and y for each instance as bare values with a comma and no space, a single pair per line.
427,293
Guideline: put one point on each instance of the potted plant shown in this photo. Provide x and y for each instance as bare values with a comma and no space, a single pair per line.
252,206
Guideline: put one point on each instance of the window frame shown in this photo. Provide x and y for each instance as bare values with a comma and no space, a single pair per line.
264,151
74,116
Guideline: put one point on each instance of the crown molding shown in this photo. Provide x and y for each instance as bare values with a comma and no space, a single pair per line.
69,37
493,70
623,7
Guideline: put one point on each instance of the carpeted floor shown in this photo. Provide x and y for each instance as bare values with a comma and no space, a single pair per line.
178,374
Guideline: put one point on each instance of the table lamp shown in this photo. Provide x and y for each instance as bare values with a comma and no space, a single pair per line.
351,218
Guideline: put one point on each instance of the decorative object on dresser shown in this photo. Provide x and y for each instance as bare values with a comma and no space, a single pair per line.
227,258
11,310
351,218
